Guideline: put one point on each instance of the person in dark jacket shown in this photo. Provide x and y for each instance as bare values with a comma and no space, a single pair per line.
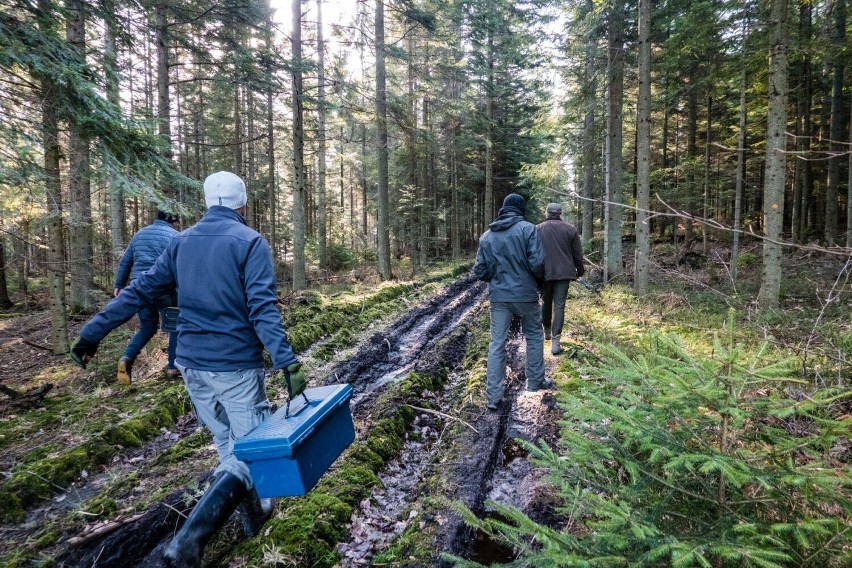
228,314
144,249
511,259
563,262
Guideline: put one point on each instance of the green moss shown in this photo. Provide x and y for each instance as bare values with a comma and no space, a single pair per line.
17,559
305,533
387,436
184,448
47,539
350,483
311,319
11,509
38,480
411,548
361,454
39,453
101,507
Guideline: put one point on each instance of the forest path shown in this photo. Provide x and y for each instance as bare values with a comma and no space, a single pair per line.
471,459
388,353
151,488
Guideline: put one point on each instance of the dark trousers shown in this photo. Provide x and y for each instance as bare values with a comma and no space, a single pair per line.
149,321
553,310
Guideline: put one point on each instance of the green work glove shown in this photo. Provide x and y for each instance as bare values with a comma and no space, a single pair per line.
82,350
296,379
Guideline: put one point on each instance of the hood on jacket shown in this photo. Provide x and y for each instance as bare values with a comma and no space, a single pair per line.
505,220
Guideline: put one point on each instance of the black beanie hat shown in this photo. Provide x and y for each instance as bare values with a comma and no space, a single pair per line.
516,202
167,217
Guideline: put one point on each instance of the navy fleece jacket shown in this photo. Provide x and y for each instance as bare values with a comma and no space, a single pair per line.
226,295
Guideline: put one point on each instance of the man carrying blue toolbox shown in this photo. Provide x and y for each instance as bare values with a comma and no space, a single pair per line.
227,301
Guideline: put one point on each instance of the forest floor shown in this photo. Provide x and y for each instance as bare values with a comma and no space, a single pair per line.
100,475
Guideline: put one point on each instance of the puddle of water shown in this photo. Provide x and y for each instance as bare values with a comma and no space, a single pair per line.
487,551
411,345
394,375
513,450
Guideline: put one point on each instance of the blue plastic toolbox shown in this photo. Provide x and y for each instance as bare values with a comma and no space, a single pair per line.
288,455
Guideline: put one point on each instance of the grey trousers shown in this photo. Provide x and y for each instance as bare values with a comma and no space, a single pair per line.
230,404
554,297
501,319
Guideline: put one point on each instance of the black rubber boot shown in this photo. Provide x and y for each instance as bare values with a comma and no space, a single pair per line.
255,512
209,514
122,375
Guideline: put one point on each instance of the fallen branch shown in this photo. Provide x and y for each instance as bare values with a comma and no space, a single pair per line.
37,346
11,393
102,530
444,415
27,398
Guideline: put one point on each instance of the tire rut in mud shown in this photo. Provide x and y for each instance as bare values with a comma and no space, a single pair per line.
386,356
474,467
390,354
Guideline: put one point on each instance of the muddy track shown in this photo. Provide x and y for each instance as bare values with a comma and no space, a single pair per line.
474,466
387,355
390,354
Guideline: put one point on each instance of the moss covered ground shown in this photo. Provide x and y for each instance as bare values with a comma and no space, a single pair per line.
88,422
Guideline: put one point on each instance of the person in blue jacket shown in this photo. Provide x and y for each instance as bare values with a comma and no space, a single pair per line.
144,249
510,258
228,314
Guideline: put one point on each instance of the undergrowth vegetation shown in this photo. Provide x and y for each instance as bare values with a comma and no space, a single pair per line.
685,445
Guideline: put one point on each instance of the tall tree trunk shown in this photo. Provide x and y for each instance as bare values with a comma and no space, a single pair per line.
413,181
455,133
590,101
300,279
806,218
423,205
776,158
118,232
838,39
53,195
237,144
849,186
382,227
322,229
643,152
163,102
5,301
252,165
272,189
615,136
79,186
706,189
741,161
21,248
488,210
362,177
691,152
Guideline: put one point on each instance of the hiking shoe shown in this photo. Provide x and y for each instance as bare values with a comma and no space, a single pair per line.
556,345
173,374
492,407
546,332
123,371
546,384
